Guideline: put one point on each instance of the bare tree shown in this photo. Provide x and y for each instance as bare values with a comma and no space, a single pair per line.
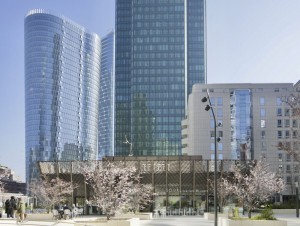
255,185
113,185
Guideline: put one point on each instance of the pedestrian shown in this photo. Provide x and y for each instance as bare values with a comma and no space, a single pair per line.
13,206
7,208
20,210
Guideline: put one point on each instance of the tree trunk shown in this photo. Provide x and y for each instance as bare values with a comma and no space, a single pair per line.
249,212
108,216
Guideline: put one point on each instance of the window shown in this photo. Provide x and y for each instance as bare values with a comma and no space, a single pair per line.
287,123
220,101
295,134
220,112
220,156
263,145
212,157
212,146
220,133
286,112
295,123
263,134
262,123
278,101
280,168
279,123
262,112
212,124
287,134
262,101
288,168
296,169
288,157
288,180
220,146
279,112
220,122
212,134
280,157
279,134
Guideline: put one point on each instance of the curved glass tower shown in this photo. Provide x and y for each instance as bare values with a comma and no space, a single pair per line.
62,78
106,111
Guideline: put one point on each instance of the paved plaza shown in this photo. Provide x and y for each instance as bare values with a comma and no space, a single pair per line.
160,221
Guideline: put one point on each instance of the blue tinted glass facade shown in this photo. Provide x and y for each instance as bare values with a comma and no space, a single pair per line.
62,77
160,54
241,120
106,106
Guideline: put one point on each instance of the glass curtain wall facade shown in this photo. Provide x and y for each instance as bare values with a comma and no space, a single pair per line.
106,106
160,54
62,76
241,119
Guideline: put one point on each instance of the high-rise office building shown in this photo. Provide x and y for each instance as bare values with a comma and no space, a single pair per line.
62,78
160,54
106,106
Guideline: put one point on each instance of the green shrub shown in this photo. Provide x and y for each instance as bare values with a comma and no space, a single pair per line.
266,214
236,212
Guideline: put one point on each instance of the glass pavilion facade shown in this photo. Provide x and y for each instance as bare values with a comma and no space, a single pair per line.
106,105
160,54
62,78
182,184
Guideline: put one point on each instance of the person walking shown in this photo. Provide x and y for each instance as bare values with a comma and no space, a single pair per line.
20,210
13,206
7,208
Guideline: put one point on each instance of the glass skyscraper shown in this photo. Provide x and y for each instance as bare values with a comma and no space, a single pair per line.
160,54
106,111
62,78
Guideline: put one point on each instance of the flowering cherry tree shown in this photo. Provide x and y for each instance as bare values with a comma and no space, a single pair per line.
4,173
51,191
114,186
225,191
254,185
140,197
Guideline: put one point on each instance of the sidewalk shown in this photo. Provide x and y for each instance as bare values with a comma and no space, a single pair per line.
291,219
13,221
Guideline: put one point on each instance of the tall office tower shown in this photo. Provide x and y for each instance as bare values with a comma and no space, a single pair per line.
160,54
106,106
62,77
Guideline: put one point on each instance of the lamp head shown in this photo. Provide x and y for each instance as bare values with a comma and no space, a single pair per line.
207,108
204,99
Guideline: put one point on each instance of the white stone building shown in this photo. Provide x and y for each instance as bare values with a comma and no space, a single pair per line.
253,119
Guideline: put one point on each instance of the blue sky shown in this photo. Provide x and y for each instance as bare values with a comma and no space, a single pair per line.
255,41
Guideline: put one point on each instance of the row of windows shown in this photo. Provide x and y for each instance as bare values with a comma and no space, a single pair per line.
286,123
286,134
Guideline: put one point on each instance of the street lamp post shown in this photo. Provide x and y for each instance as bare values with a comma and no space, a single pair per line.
130,146
207,108
297,199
